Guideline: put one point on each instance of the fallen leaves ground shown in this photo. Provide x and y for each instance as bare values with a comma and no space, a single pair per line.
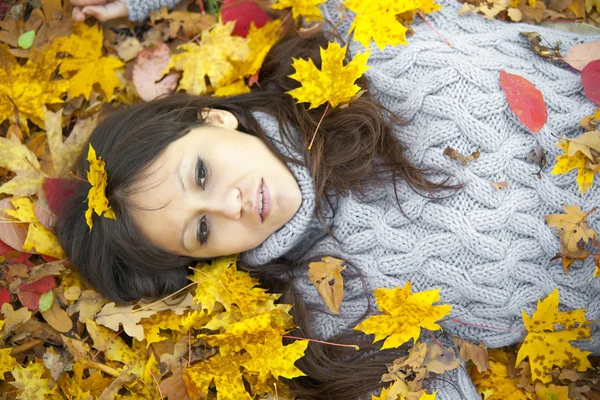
222,335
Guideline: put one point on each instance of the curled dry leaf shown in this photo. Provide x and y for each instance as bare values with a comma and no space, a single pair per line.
58,318
474,352
464,160
327,278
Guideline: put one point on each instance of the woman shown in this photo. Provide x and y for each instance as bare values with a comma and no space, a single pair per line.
199,177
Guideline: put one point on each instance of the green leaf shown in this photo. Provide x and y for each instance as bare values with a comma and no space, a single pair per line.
26,40
46,300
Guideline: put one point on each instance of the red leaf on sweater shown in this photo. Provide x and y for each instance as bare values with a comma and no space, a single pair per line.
243,13
590,76
58,191
525,100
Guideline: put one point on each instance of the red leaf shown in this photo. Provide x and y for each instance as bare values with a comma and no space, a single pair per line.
12,256
4,296
29,299
48,258
590,76
58,191
40,286
243,13
525,100
147,73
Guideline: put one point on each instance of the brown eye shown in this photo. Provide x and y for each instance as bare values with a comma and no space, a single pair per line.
203,231
200,173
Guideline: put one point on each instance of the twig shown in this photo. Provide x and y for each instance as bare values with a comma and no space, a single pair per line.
25,346
435,30
323,342
318,125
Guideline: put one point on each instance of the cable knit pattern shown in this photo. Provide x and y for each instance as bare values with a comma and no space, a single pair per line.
487,251
139,9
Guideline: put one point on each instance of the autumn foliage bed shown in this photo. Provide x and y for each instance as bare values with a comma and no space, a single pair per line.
221,337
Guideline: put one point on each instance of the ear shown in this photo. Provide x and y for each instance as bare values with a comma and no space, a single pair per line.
217,116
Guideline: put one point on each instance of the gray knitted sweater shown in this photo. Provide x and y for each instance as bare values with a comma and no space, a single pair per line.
487,251
139,9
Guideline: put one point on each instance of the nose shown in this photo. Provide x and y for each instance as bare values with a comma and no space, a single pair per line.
228,204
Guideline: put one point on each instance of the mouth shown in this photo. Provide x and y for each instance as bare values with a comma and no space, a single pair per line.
263,203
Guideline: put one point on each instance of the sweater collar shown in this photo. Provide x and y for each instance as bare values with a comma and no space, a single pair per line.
292,233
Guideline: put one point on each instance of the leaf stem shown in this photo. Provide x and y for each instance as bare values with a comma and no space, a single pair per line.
164,298
435,30
318,125
78,178
157,385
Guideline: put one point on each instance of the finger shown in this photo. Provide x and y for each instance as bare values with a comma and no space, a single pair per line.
87,2
107,12
77,15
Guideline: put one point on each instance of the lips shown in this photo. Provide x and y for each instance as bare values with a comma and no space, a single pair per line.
266,202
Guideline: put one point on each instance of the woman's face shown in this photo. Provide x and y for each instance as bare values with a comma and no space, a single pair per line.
202,196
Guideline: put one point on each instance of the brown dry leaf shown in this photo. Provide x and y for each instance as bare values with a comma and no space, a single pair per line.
573,232
327,278
590,122
111,391
58,318
464,160
535,42
192,23
129,48
586,143
501,185
474,352
88,304
440,359
12,318
112,316
13,234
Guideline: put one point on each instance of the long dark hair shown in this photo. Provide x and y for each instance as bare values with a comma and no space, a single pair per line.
355,148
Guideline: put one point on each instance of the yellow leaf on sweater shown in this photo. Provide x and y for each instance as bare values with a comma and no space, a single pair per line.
565,163
19,159
334,83
212,58
327,278
38,236
545,347
308,9
496,383
376,20
96,198
88,62
405,314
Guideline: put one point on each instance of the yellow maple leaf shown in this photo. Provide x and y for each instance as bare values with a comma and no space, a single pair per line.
405,314
334,83
551,392
38,236
212,58
227,375
565,163
19,159
233,89
161,320
7,363
30,383
376,20
272,358
301,8
88,62
29,86
496,383
96,198
546,347
221,282
250,331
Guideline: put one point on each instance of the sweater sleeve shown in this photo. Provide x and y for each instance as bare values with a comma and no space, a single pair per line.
139,9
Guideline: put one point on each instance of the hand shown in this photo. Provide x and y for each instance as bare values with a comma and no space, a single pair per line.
102,10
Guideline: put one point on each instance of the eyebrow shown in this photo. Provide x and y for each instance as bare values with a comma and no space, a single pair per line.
185,225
